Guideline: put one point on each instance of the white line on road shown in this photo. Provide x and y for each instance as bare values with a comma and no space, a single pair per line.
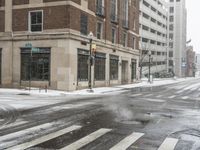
44,138
86,140
168,144
173,96
128,141
148,95
136,94
13,138
185,97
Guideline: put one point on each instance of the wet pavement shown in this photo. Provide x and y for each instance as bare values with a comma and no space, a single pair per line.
159,115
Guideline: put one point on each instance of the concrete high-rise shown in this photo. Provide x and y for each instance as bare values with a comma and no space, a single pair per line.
177,37
153,31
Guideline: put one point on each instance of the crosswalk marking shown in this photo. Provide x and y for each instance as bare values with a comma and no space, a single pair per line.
185,97
139,94
86,140
44,138
128,141
168,144
7,140
173,96
148,95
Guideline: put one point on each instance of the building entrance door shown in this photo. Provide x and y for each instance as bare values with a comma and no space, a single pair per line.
124,72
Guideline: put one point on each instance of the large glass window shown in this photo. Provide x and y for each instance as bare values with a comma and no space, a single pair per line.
99,68
35,21
36,66
114,67
83,56
133,69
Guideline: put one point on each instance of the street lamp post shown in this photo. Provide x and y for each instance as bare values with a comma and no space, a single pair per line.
149,53
90,62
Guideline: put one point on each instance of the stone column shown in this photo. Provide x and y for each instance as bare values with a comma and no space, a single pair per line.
8,15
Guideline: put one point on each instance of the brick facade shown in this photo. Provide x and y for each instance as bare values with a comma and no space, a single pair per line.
61,33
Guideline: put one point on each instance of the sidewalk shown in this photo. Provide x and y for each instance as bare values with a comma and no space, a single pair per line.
96,91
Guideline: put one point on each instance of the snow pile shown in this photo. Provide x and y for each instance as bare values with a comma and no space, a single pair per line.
101,90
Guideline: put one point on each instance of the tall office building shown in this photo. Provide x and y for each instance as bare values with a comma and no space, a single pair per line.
177,37
153,32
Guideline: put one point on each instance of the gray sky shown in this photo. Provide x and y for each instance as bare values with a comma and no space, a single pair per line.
193,23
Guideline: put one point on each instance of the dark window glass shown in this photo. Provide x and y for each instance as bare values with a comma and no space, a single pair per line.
114,67
35,67
113,35
84,24
99,67
99,30
36,21
133,74
83,57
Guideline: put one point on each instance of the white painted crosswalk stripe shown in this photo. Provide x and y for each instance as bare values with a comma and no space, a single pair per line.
173,96
44,138
185,97
86,140
168,144
128,141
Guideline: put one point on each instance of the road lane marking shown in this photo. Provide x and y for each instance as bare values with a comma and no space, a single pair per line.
154,100
44,138
86,140
136,94
173,96
185,97
168,144
13,138
148,95
128,141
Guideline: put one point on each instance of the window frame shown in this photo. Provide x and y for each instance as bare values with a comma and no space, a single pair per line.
29,21
101,30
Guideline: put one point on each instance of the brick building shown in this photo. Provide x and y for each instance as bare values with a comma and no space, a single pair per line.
46,41
190,64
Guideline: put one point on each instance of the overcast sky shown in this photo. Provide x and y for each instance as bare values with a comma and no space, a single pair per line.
193,23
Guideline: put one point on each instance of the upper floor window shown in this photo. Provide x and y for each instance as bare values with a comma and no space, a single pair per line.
99,30
84,24
125,13
114,10
171,9
113,35
100,7
124,39
36,21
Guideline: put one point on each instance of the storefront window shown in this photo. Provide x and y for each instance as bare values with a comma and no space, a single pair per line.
83,56
133,64
100,61
36,66
114,67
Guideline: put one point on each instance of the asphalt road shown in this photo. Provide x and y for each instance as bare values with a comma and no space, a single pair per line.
164,118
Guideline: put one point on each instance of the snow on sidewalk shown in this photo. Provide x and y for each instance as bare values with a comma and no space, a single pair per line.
100,90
